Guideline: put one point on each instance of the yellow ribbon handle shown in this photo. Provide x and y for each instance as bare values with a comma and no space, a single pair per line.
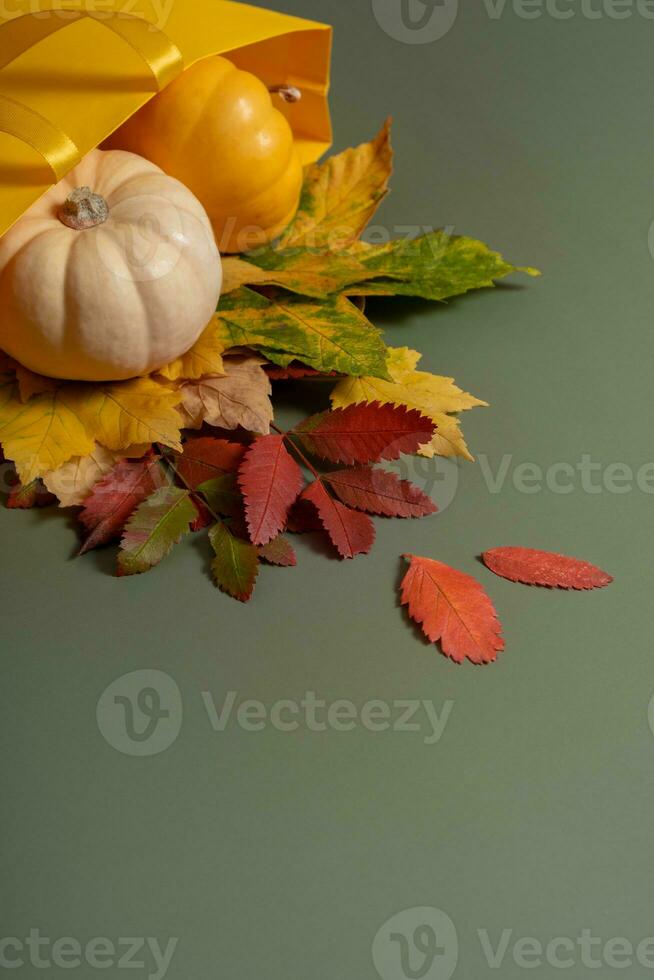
161,55
57,149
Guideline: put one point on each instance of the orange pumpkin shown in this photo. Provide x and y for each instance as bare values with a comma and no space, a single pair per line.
216,129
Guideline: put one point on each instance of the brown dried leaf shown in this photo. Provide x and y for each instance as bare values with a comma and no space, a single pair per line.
241,398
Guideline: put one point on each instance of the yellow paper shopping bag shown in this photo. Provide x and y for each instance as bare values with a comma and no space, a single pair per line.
72,74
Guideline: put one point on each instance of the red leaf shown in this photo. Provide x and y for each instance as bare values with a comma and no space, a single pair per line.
544,568
278,552
452,607
271,481
114,499
350,533
365,433
379,492
238,527
34,494
204,518
303,518
205,458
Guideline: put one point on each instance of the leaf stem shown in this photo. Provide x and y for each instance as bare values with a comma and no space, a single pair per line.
197,495
298,451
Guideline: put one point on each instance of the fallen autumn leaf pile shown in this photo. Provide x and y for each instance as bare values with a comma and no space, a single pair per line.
194,447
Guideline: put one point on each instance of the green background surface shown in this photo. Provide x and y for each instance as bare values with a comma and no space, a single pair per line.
280,855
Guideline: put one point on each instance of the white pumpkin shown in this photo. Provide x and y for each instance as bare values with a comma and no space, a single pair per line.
112,274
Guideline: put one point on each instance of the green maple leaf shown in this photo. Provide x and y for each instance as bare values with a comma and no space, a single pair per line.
329,335
435,266
307,271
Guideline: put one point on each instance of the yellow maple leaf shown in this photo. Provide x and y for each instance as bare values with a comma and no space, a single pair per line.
341,195
402,361
203,358
448,439
432,395
42,434
56,426
130,413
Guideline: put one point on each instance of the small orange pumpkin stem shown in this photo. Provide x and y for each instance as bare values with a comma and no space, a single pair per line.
289,93
83,209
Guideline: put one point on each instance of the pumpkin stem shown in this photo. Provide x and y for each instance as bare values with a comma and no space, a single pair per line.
83,209
289,93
